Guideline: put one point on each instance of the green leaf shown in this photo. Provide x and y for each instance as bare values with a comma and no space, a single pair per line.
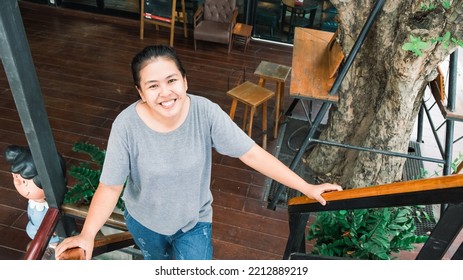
395,227
415,45
446,4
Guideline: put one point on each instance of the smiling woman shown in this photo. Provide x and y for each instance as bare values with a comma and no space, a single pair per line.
165,104
161,148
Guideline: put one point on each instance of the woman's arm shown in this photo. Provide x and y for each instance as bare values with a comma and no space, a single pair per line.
270,166
101,207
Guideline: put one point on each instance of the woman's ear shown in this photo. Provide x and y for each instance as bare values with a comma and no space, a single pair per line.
140,93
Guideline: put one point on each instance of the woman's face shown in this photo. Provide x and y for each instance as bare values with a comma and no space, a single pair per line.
27,188
163,88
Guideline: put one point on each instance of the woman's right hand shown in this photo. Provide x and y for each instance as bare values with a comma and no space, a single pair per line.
81,241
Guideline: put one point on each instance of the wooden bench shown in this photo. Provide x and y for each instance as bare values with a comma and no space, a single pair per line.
317,57
437,190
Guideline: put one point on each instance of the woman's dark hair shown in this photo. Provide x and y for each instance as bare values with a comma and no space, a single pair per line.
20,159
151,53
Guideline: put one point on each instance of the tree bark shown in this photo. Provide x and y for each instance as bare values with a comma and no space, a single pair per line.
380,96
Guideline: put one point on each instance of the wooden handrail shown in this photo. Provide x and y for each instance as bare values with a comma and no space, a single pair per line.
39,244
439,190
443,182
102,245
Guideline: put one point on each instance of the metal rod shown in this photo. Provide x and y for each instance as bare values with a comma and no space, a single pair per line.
453,64
300,153
457,140
448,147
440,126
358,43
291,107
388,153
20,70
419,137
434,132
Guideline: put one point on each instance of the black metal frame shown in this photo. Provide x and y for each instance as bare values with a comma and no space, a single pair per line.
20,70
448,227
326,105
309,138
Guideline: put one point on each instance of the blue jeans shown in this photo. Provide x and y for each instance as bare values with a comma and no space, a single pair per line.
195,244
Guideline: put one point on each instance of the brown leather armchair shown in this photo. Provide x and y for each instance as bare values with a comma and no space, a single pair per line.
214,21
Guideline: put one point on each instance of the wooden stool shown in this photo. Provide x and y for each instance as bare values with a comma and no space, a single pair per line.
252,96
278,73
242,34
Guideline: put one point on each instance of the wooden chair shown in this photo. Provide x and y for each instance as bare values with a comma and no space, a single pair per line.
252,96
268,14
437,87
278,73
162,13
214,22
438,190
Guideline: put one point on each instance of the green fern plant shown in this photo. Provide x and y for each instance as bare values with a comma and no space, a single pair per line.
87,175
372,234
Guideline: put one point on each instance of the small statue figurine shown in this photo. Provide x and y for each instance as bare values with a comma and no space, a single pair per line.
27,182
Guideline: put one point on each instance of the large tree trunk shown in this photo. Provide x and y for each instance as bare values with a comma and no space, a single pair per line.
382,92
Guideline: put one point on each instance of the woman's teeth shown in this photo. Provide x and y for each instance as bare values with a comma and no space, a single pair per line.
168,104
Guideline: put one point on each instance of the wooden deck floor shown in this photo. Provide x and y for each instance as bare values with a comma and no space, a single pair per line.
83,64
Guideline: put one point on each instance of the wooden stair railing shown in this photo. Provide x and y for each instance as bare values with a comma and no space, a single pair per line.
39,244
438,190
79,211
103,243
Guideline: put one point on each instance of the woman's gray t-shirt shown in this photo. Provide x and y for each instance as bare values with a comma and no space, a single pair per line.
169,174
